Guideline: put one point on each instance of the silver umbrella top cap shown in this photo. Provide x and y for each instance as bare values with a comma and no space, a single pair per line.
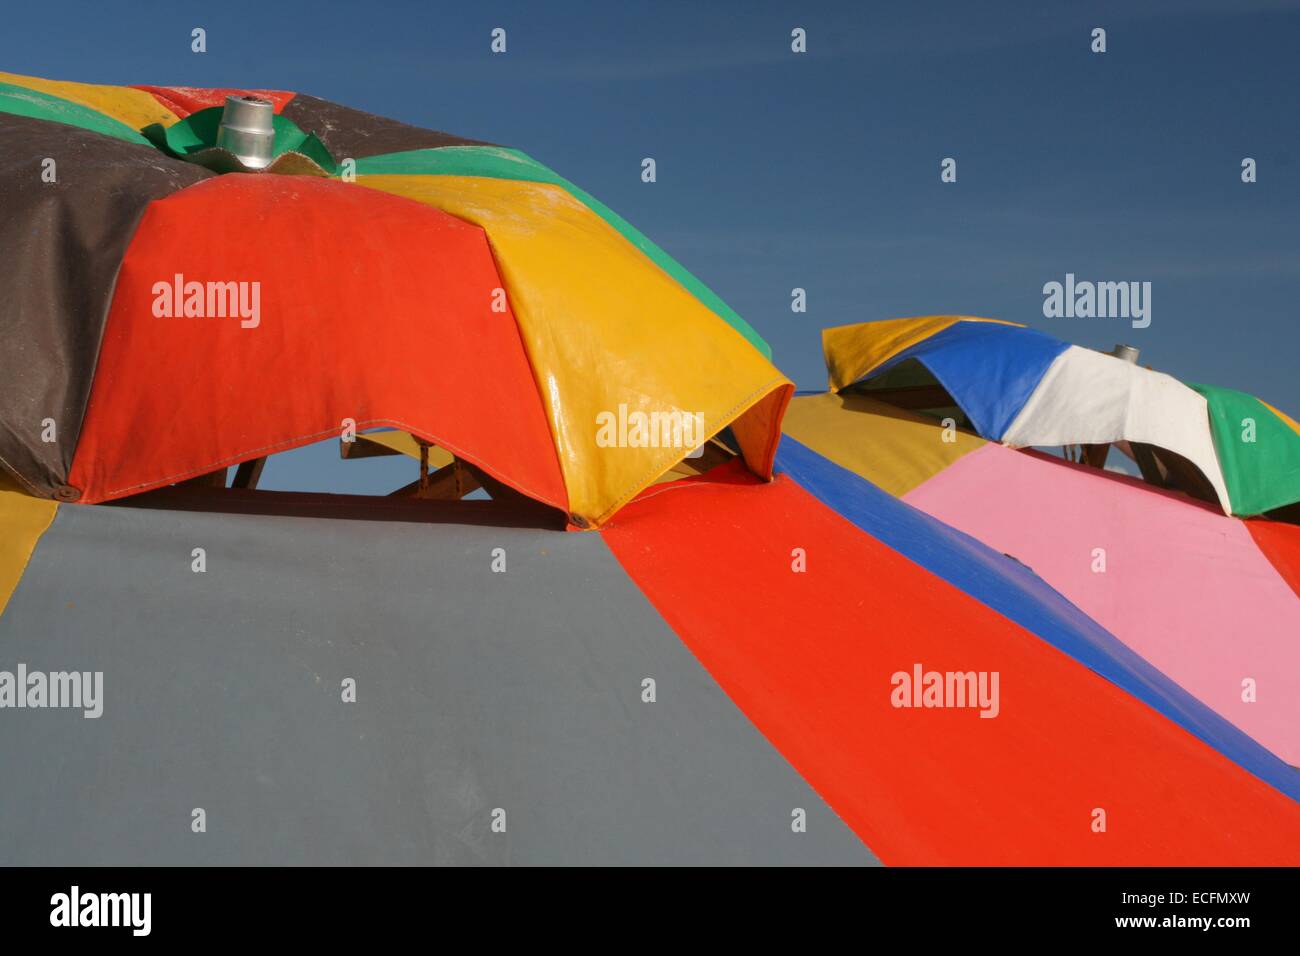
1126,353
247,131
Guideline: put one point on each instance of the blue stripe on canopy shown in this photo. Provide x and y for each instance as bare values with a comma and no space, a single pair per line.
1015,592
988,368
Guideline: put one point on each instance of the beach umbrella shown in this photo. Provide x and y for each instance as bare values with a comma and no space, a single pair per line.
1209,599
383,680
771,661
135,275
1023,388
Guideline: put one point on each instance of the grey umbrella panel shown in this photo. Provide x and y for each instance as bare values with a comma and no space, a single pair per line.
500,716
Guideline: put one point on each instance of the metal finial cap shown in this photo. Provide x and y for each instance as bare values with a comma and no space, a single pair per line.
247,130
1126,353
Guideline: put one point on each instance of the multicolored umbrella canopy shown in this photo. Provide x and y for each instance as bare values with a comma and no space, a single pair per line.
450,280
713,676
1208,599
524,690
1024,388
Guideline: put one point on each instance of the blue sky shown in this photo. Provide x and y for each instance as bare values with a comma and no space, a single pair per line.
821,170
